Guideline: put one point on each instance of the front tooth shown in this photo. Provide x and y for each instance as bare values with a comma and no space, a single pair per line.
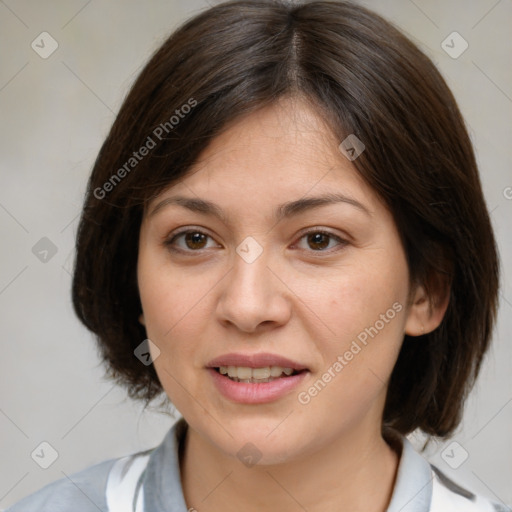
261,373
275,371
244,372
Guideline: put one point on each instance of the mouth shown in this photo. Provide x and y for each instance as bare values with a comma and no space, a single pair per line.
256,378
260,375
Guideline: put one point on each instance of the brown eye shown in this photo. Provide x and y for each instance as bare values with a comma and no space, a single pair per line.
319,240
194,241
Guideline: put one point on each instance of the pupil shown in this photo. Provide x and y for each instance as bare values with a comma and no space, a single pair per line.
194,238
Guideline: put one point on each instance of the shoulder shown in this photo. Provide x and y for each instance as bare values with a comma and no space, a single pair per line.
422,487
114,484
83,491
449,496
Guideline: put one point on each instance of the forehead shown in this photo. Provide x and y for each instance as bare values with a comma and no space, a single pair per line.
282,151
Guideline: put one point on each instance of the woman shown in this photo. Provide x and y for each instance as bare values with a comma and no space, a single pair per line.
285,232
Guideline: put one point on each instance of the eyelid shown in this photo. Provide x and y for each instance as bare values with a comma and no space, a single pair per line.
341,236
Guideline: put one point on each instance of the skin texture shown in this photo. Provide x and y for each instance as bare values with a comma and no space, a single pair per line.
304,298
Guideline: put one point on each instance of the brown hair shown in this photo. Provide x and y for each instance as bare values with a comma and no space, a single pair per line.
365,77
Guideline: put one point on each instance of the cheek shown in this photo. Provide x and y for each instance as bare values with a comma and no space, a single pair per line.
177,306
356,298
365,311
174,317
367,315
169,295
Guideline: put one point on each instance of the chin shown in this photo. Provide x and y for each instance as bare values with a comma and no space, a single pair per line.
262,441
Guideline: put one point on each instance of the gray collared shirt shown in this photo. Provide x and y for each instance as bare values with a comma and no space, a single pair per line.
152,483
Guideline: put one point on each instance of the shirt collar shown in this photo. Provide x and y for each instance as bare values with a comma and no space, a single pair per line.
162,482
163,491
413,485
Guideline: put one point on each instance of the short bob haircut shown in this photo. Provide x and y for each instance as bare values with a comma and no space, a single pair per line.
363,77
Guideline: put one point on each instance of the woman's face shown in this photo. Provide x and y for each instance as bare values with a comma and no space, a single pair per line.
260,279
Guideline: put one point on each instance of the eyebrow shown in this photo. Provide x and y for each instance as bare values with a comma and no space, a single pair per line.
283,211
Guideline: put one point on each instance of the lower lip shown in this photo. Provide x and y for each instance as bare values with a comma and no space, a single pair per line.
259,393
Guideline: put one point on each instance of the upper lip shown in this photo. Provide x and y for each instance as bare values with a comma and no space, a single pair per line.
255,361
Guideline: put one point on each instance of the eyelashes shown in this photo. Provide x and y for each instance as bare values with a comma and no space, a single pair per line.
194,240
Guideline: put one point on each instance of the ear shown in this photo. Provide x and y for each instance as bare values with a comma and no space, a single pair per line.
427,312
141,319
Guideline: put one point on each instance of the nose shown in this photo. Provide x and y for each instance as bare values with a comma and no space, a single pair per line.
254,297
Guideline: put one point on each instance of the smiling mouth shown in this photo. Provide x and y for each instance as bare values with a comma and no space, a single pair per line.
256,375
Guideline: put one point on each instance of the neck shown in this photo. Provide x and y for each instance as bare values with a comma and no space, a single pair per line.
355,472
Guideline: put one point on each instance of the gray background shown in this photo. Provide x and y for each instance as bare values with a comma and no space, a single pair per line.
55,113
